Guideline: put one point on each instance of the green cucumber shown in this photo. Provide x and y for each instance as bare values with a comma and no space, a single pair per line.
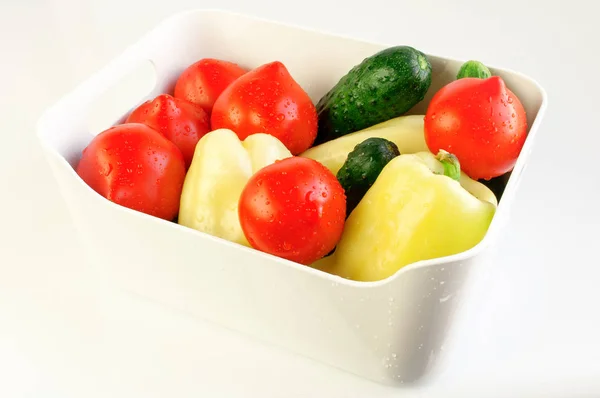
473,69
382,87
363,165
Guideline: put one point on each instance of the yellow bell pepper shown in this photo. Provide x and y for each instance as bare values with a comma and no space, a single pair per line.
420,207
407,132
220,169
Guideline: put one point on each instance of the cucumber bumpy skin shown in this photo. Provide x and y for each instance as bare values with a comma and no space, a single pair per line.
383,86
473,69
362,167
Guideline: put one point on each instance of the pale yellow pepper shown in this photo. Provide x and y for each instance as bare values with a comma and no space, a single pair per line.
220,169
420,207
407,132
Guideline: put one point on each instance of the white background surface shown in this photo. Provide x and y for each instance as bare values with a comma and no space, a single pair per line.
530,328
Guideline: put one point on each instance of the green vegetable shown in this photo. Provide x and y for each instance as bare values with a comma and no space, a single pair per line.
362,167
473,69
383,86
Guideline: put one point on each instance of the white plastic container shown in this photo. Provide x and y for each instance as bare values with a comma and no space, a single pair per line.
389,331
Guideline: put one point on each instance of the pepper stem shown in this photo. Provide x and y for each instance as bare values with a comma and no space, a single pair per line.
450,163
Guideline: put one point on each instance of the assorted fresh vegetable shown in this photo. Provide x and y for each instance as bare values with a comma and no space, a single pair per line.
473,69
202,82
481,122
381,87
404,131
362,167
294,209
414,211
268,100
180,121
220,170
136,167
353,186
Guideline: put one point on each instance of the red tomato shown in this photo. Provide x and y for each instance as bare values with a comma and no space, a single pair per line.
268,100
203,81
294,208
481,122
135,167
182,122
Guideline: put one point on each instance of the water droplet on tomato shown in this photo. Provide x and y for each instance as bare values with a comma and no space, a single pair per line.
280,117
286,246
108,170
510,100
324,194
129,171
513,115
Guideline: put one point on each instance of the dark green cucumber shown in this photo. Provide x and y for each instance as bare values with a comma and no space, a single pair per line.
473,69
362,167
382,87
